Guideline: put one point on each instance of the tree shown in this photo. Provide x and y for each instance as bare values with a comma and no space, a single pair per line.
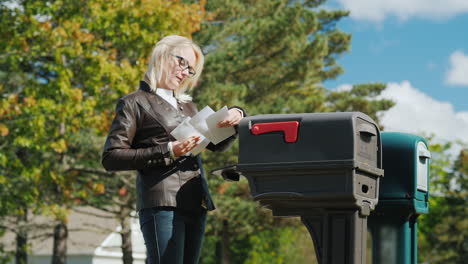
66,62
119,198
269,57
443,231
62,67
360,98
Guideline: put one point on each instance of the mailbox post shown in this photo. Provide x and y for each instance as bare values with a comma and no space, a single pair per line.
404,195
323,167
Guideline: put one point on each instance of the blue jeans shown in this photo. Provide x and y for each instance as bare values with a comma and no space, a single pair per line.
172,236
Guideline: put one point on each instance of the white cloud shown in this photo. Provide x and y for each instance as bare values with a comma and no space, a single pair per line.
418,113
458,72
378,10
344,87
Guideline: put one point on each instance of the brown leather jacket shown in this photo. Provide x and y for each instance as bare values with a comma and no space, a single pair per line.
138,140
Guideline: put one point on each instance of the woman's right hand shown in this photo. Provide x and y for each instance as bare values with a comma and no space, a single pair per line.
184,147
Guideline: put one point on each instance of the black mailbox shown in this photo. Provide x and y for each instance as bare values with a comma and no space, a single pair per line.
300,161
323,167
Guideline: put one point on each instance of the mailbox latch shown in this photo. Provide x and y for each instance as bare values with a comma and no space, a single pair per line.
290,129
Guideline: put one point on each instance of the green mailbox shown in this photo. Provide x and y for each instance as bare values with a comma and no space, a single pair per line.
404,195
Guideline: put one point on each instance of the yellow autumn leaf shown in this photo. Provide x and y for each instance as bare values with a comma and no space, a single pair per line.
54,176
3,160
59,212
99,188
59,146
83,37
67,193
77,94
4,130
25,45
13,99
29,101
60,32
113,54
87,38
17,109
84,193
46,25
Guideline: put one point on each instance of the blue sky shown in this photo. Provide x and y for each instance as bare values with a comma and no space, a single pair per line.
420,49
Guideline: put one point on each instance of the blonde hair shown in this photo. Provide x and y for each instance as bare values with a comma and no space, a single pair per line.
160,58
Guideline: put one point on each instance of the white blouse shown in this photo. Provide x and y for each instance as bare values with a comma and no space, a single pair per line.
167,95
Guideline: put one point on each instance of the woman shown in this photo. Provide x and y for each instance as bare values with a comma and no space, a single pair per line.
172,192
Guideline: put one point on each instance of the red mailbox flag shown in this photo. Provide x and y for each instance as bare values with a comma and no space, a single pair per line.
289,128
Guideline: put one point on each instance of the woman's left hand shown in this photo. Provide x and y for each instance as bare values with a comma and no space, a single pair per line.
233,119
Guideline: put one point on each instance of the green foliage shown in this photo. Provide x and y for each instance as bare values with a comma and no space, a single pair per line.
269,57
64,64
264,51
443,232
284,245
362,98
62,67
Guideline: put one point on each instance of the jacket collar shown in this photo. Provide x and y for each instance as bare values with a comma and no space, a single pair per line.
145,87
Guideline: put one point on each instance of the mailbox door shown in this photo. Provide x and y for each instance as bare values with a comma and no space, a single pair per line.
422,170
367,143
321,137
422,162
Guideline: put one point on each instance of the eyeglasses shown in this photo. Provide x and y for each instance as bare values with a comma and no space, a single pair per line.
184,64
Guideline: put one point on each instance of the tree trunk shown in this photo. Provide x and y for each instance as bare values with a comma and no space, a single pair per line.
21,256
60,244
61,230
225,254
126,234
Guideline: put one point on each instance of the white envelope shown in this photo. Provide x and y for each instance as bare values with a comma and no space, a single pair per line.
204,124
219,134
200,147
198,121
185,130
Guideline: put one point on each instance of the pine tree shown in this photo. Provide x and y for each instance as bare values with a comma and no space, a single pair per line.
270,57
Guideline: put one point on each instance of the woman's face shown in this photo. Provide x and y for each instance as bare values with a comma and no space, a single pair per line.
180,66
